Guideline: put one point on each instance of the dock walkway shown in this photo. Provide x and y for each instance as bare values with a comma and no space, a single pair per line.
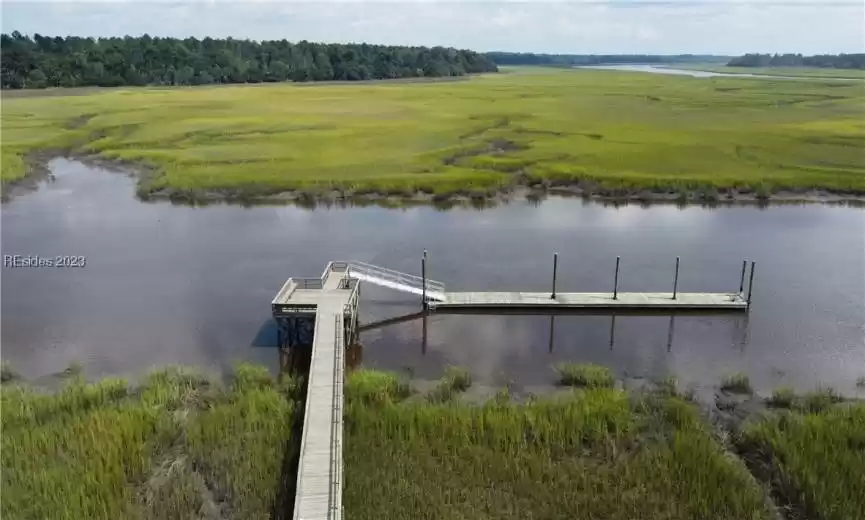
328,301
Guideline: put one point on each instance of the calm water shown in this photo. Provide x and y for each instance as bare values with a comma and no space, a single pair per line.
172,284
697,73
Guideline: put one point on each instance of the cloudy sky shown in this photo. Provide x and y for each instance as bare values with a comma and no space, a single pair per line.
579,26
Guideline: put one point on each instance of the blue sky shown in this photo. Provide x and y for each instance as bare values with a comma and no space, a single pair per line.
579,27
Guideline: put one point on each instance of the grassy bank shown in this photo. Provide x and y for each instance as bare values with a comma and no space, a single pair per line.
609,132
179,445
812,455
595,453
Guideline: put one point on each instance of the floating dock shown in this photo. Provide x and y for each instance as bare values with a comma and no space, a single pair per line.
631,301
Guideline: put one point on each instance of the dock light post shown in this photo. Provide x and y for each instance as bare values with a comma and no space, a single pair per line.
423,278
751,283
555,267
616,280
676,279
742,278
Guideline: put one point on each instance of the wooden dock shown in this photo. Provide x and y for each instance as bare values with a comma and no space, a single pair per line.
321,314
643,301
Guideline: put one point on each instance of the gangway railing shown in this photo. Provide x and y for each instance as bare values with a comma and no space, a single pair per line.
396,280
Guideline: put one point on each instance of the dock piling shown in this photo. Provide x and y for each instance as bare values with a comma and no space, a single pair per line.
616,280
555,266
742,278
676,279
423,278
751,283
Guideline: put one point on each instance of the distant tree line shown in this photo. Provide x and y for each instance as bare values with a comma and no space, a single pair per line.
836,61
43,61
570,60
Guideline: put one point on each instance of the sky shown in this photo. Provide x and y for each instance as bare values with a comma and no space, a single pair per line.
728,27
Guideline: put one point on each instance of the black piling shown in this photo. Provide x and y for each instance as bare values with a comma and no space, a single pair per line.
751,283
676,279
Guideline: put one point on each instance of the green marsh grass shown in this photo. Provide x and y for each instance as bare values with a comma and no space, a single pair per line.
594,453
610,131
737,384
783,397
815,460
7,373
174,445
584,374
454,381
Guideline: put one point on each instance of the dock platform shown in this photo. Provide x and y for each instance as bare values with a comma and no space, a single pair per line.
536,300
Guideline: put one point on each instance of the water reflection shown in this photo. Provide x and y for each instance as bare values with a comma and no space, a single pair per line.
169,284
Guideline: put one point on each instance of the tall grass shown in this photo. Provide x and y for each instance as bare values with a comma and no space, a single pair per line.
737,384
816,459
176,445
584,374
594,453
611,131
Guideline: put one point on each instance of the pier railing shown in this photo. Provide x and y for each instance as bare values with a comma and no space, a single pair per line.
336,424
412,283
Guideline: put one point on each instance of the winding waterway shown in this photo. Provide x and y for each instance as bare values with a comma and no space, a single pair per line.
169,284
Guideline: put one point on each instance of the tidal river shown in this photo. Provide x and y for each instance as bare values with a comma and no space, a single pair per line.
165,284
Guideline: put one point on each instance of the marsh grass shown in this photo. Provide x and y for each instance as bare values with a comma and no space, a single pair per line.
594,453
737,383
584,374
454,381
166,448
7,373
814,459
612,132
783,397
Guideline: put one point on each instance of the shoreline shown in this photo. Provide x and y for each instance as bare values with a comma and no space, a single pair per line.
38,171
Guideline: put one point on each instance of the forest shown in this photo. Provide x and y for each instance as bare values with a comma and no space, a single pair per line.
836,61
44,61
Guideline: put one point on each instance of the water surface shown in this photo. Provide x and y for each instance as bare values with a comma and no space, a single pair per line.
699,73
173,284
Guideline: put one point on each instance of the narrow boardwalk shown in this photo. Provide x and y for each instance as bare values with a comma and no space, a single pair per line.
319,475
327,301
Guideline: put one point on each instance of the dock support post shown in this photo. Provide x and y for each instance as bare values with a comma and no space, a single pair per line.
742,278
555,266
751,283
423,277
616,280
676,279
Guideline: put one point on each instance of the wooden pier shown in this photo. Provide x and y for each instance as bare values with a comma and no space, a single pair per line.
321,314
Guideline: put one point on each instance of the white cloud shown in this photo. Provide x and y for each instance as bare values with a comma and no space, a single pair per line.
589,26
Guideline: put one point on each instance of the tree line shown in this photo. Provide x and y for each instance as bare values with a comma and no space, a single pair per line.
836,61
570,60
44,61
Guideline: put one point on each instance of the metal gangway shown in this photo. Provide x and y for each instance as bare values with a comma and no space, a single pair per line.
399,281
